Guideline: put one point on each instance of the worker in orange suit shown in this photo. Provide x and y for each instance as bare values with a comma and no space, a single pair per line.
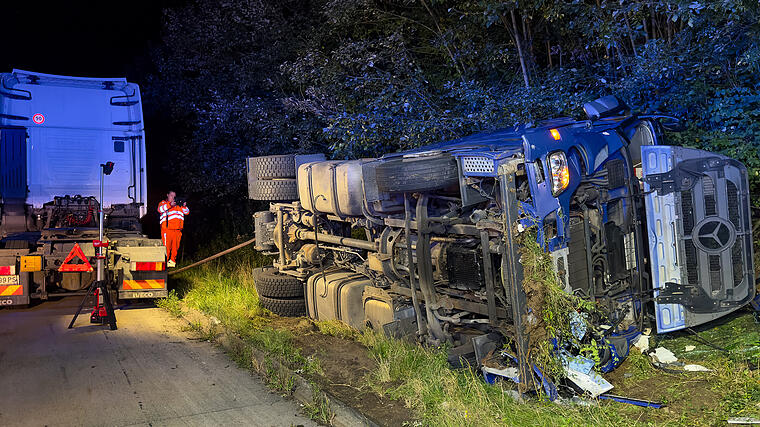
172,220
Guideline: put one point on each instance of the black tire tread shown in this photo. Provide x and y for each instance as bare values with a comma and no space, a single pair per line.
273,189
418,174
272,285
284,307
277,166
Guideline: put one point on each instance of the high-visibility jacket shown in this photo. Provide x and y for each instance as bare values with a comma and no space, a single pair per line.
172,217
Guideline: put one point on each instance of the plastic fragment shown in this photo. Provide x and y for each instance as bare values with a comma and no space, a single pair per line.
696,368
579,371
743,420
592,382
642,343
663,355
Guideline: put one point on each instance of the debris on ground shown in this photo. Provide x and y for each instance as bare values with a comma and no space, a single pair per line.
642,343
590,382
633,401
696,368
743,420
663,355
689,348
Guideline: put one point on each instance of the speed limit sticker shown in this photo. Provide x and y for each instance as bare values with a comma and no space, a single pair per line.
38,118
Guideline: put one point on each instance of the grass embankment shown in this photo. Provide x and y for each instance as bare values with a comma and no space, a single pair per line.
422,379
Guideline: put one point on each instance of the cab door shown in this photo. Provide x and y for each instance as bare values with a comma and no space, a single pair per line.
13,163
700,235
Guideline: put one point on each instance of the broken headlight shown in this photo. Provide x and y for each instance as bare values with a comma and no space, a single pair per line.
559,171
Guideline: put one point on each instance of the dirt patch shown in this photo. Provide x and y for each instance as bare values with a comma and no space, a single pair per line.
689,394
346,365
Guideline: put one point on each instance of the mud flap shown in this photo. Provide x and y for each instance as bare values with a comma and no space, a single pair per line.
700,236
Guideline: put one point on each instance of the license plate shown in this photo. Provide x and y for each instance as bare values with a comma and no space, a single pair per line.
9,280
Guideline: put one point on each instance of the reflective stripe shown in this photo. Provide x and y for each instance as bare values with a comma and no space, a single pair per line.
11,290
164,206
172,217
143,284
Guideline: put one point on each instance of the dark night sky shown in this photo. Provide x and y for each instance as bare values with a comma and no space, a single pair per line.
90,39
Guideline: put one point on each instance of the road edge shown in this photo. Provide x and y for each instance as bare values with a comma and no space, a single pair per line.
262,363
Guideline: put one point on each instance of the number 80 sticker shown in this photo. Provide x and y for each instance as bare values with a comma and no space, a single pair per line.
38,119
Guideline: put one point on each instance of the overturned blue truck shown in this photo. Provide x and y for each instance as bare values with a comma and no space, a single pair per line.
425,241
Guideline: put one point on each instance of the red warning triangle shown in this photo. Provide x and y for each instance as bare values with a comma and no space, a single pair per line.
68,265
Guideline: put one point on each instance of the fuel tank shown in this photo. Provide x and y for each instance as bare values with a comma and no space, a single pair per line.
332,187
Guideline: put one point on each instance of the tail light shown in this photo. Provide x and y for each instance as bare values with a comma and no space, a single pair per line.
560,172
148,266
7,270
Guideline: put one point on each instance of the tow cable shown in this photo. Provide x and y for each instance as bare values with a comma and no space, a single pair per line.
213,257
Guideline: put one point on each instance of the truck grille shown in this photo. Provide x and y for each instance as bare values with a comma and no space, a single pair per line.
687,206
477,165
716,244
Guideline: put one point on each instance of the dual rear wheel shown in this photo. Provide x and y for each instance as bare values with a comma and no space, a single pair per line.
272,178
281,294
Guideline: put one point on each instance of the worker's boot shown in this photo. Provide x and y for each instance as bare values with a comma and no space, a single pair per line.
171,263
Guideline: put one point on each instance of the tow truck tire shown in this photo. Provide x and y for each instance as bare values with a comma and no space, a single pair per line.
271,167
284,307
273,189
417,174
271,284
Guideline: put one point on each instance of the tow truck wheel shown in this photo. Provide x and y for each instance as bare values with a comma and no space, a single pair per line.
271,167
273,285
284,307
417,174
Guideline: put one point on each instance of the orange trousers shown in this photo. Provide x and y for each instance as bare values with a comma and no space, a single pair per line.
171,241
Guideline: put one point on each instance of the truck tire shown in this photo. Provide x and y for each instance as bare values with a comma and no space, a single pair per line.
271,167
417,174
271,284
284,307
273,189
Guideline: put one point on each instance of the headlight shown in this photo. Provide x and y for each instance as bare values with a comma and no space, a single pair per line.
560,172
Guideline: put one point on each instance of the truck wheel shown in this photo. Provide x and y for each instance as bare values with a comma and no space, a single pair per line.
271,167
284,307
271,284
417,174
273,189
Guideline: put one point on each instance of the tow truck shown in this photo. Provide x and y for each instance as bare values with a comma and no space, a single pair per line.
55,133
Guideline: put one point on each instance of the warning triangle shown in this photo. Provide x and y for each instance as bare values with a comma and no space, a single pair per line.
75,261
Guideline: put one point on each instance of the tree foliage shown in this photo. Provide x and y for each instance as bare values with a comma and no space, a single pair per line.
359,77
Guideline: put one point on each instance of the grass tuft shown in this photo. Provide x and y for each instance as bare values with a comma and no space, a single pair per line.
422,378
171,304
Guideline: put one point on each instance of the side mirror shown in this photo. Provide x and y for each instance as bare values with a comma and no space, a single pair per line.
107,168
672,124
607,106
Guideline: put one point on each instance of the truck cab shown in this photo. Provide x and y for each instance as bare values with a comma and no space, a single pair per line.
55,132
429,239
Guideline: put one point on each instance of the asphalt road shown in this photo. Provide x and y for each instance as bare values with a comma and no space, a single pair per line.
148,372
